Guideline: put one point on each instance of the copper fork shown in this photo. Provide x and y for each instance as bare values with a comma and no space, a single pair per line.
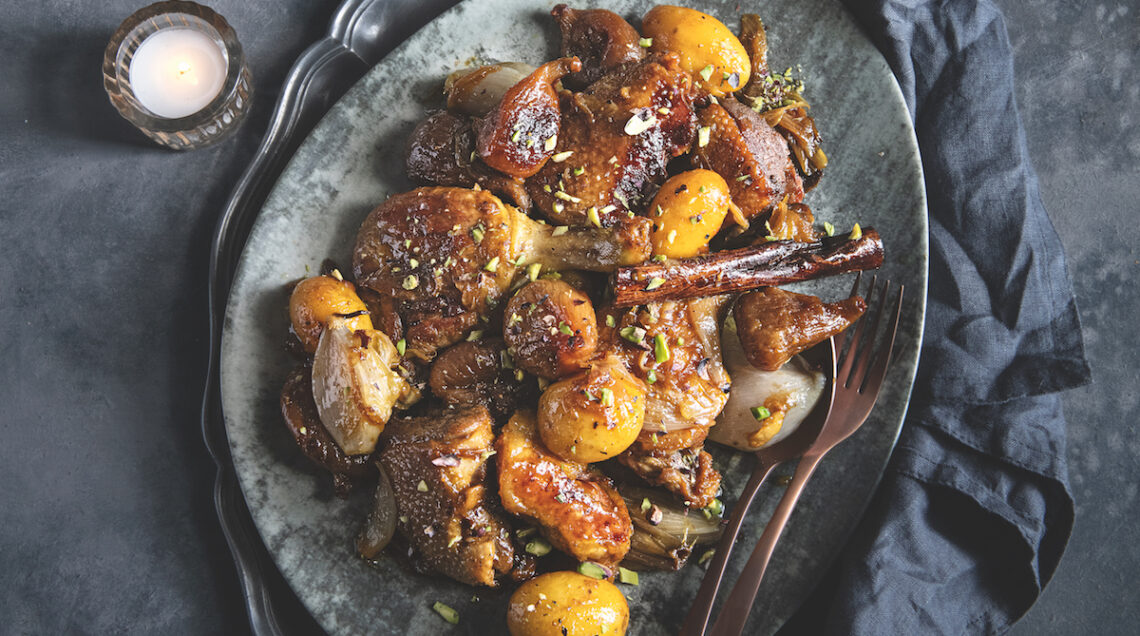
862,368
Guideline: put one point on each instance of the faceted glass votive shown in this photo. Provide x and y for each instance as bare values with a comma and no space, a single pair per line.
170,93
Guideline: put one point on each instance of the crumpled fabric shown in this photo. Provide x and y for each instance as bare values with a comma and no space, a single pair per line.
974,510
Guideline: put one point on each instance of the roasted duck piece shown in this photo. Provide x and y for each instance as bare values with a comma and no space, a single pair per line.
600,38
775,325
752,157
446,256
616,138
765,264
675,348
520,133
778,97
300,413
577,507
441,151
481,372
550,328
688,473
437,466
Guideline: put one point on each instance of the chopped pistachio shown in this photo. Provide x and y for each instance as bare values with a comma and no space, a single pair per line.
422,486
592,216
592,570
558,207
646,504
660,349
578,171
610,322
760,413
401,346
660,258
645,42
414,263
856,233
607,397
546,188
672,236
560,230
539,547
706,556
706,72
532,273
518,375
550,143
651,376
629,577
703,134
829,228
654,283
565,329
411,282
474,335
567,197
492,265
477,234
448,614
632,334
337,275
562,156
515,136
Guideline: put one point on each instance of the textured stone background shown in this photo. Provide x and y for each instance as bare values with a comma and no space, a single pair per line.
103,307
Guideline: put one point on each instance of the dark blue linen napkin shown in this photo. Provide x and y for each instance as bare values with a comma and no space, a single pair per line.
974,510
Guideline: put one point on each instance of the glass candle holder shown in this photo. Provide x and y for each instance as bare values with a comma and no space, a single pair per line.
176,71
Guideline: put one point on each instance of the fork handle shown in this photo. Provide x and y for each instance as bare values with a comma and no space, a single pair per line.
698,617
736,609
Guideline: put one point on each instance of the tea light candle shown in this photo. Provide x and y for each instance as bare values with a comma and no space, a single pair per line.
177,72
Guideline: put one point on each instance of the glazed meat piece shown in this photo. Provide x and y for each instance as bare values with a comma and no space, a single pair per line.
519,134
601,39
441,151
775,325
437,466
751,156
675,348
446,256
577,507
550,328
314,440
480,372
687,472
616,138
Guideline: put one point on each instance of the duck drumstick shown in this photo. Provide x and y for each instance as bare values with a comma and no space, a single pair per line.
763,265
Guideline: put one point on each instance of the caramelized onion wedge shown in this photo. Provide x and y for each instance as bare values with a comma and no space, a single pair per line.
786,396
664,530
354,384
475,91
381,524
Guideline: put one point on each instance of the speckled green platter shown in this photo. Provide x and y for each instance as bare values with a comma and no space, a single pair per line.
353,160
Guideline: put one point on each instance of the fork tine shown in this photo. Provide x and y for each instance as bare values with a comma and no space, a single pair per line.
844,365
883,356
867,346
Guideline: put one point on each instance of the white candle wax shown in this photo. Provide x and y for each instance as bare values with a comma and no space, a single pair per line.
176,72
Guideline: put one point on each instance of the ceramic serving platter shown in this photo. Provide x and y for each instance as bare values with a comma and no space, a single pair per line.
353,159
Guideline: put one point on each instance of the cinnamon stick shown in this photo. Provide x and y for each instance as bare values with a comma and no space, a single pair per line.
763,265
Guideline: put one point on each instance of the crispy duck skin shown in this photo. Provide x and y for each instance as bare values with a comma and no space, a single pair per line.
517,136
314,440
600,38
762,265
578,509
775,324
441,151
751,156
675,348
687,472
614,163
447,255
474,373
437,466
